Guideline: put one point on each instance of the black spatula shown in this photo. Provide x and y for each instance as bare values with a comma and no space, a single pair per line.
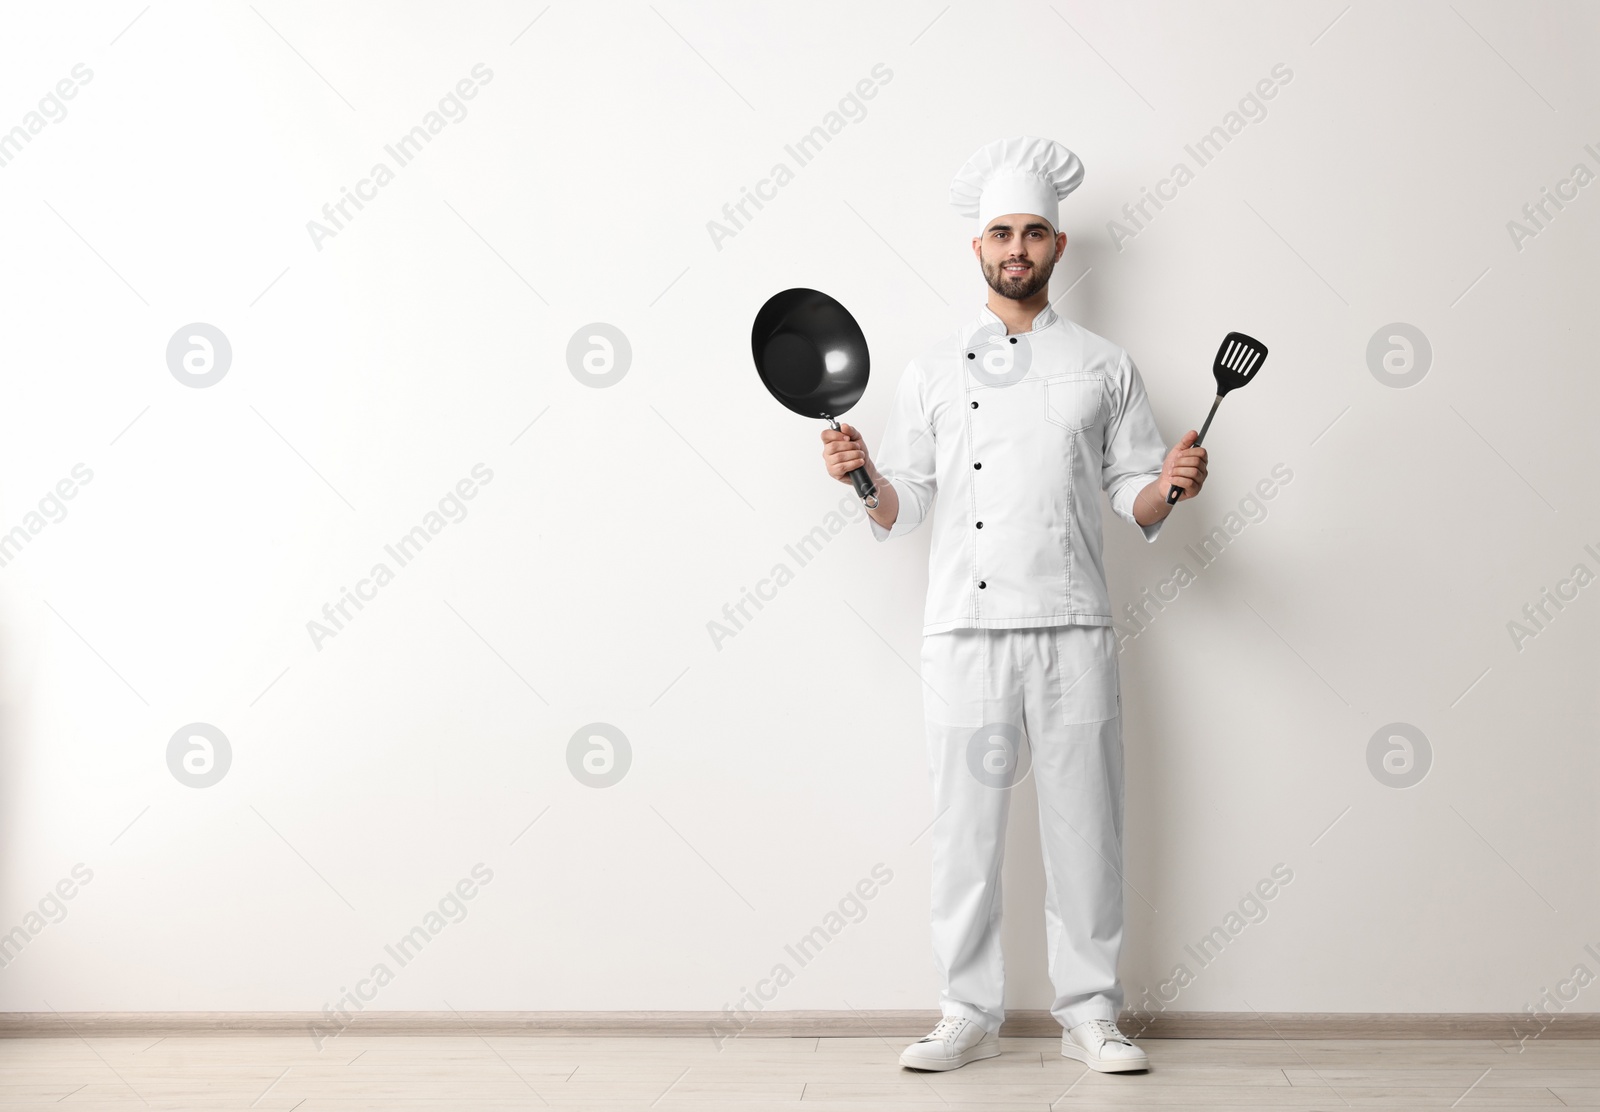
1236,364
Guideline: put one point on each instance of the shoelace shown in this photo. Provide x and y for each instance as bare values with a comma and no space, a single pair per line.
1107,1030
949,1027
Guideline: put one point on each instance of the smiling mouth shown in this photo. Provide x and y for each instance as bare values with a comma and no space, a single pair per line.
1016,269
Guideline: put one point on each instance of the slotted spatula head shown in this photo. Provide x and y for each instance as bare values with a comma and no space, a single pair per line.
1237,361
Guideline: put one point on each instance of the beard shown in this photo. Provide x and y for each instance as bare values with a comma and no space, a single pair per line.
1019,288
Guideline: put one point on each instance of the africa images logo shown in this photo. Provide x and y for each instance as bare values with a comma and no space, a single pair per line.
851,109
451,109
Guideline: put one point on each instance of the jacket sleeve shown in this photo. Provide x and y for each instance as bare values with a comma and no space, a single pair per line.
1133,449
906,455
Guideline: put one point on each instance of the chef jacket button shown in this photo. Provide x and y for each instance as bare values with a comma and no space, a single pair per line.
1013,339
977,467
980,525
974,405
981,584
972,355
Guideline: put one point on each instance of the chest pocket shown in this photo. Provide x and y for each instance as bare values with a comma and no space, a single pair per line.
1073,401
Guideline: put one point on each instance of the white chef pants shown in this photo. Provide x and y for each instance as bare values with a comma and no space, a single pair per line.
1001,705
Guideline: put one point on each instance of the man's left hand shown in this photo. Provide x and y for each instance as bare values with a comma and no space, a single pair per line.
1185,468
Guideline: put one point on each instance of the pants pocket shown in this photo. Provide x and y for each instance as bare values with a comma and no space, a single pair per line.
952,677
1090,687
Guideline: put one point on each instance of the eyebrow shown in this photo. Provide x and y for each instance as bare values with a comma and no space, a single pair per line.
1026,227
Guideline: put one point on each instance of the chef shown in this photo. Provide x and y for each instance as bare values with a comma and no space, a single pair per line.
1018,420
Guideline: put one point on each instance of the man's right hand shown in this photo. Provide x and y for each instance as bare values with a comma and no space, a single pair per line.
843,451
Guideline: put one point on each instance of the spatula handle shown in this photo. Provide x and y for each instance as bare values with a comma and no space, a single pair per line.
1172,495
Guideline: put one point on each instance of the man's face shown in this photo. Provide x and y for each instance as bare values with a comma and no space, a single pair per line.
1017,253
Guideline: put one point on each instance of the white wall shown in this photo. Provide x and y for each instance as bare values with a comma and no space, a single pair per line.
770,774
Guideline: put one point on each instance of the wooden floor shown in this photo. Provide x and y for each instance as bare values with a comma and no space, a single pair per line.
411,1074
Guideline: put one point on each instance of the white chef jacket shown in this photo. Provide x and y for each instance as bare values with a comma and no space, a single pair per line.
1018,466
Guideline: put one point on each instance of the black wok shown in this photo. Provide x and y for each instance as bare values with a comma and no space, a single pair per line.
812,356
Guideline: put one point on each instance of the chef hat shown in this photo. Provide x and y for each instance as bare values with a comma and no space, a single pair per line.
1019,174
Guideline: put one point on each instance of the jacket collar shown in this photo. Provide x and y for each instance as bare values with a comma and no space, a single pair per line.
988,321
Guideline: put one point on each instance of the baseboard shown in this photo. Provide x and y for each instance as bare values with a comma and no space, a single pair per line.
796,1024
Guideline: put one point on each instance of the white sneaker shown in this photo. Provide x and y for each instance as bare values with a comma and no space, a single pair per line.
954,1043
1100,1046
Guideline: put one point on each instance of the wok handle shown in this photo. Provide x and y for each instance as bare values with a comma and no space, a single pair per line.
1172,495
866,489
